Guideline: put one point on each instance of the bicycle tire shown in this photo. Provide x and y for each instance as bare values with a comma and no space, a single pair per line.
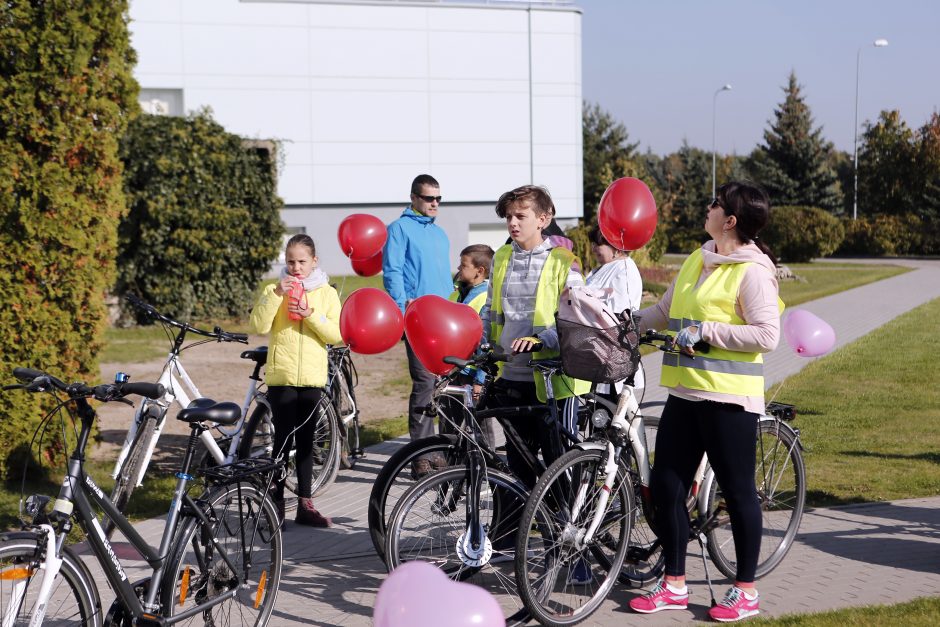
436,540
395,478
258,441
558,578
75,603
124,483
780,476
245,523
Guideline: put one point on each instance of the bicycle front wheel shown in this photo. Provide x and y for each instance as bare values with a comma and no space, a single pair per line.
780,476
244,525
430,524
562,578
126,479
74,597
397,477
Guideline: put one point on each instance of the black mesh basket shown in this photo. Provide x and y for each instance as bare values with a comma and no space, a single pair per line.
599,355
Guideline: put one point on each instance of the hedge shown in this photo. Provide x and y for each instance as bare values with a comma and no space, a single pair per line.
797,234
204,222
66,94
884,234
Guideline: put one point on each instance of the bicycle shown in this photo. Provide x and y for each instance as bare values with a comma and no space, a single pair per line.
219,557
464,518
343,379
150,416
603,485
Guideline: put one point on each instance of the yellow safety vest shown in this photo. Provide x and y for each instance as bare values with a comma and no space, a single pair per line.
477,303
551,283
720,370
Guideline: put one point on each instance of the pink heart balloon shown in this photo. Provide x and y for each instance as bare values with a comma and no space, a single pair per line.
417,594
807,334
437,328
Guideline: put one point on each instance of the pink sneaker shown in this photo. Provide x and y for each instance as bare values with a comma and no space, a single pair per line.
735,606
662,597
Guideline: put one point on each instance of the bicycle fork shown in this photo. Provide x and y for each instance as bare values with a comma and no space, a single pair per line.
50,567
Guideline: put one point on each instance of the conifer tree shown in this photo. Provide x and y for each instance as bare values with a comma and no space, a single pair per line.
607,155
794,164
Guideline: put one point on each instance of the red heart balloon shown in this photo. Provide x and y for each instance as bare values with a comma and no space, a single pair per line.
361,235
627,214
370,321
368,267
437,328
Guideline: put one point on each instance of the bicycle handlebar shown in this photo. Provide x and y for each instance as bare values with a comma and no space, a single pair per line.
38,381
216,333
669,342
487,357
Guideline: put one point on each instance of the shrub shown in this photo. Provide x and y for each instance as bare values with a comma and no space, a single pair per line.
66,93
797,234
885,235
204,221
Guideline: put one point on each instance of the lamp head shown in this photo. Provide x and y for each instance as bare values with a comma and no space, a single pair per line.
880,43
727,87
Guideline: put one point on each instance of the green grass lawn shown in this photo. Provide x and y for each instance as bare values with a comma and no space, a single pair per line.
869,414
822,279
919,612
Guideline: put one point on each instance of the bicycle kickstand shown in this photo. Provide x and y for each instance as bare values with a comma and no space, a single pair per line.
702,542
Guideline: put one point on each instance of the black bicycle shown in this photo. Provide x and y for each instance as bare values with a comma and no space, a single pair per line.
219,558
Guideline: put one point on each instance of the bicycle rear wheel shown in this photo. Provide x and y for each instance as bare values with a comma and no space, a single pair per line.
246,526
780,476
430,524
74,598
644,561
561,578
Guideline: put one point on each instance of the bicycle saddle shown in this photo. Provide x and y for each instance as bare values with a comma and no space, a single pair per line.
259,355
206,409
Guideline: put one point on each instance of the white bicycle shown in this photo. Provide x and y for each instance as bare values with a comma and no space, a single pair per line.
150,417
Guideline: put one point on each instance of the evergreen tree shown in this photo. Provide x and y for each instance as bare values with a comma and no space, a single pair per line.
66,94
608,155
794,164
887,178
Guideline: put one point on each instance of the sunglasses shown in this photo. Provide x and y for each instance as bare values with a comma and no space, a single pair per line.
428,198
714,203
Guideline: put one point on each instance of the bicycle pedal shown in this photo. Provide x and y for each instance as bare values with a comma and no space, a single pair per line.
149,620
358,453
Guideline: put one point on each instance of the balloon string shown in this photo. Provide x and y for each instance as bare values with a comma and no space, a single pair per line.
777,391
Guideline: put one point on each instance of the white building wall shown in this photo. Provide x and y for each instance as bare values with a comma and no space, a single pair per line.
364,96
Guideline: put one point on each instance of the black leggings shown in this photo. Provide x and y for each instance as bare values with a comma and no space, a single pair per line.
728,434
292,406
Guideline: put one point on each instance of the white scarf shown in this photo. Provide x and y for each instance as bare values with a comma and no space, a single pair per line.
314,280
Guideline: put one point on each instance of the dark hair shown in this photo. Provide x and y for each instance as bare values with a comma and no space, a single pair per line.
751,206
596,237
539,198
422,180
302,239
481,256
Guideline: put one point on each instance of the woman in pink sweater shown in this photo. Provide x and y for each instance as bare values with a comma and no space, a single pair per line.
724,310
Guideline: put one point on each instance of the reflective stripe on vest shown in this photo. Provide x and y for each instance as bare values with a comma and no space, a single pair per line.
476,303
552,281
720,370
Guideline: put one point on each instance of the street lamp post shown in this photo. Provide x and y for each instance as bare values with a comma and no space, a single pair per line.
714,104
878,43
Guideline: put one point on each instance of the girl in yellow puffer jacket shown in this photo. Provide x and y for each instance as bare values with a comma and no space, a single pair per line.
300,323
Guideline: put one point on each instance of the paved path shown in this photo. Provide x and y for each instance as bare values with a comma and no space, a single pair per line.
846,556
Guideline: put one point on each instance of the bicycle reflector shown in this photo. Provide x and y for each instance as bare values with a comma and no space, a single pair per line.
121,377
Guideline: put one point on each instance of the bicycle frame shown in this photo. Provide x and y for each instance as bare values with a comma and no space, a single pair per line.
181,389
79,490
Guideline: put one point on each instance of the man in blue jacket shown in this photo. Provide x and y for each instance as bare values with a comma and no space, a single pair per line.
416,262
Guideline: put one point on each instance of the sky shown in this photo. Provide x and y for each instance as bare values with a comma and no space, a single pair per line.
656,64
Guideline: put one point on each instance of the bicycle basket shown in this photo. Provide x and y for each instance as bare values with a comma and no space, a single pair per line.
599,354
